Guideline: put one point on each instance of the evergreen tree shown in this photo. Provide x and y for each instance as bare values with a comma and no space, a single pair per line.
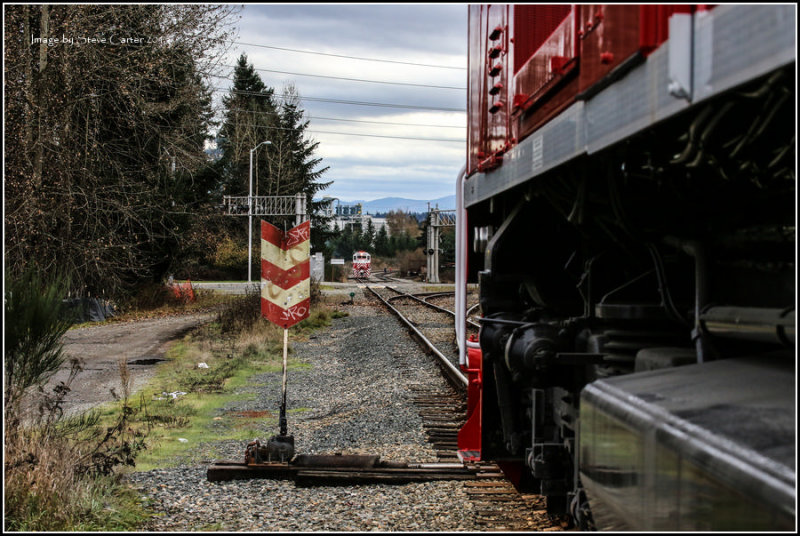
250,117
344,244
382,243
333,239
394,245
287,166
368,237
447,245
293,166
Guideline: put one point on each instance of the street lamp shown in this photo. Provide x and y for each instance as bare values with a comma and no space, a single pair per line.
250,214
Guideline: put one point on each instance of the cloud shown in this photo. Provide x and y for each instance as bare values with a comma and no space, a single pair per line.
365,28
366,158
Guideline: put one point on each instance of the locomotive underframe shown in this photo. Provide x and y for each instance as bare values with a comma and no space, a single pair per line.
638,249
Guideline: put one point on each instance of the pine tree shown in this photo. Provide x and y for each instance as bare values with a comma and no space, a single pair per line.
250,117
293,166
382,242
368,236
287,166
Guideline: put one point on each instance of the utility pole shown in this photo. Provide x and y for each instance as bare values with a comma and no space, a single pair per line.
250,214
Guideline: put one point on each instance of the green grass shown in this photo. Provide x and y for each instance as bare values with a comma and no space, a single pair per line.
198,416
438,288
192,416
47,490
165,446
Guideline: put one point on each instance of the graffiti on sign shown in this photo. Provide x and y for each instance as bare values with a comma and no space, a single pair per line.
285,274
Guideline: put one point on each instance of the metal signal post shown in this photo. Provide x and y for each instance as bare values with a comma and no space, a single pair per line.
437,219
265,205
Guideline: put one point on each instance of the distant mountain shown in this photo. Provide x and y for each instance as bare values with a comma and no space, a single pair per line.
386,204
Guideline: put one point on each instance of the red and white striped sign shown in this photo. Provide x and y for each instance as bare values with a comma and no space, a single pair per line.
285,277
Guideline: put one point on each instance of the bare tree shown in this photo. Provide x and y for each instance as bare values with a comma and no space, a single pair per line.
107,110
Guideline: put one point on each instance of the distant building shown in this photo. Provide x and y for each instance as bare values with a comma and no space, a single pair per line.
378,223
348,210
350,216
327,209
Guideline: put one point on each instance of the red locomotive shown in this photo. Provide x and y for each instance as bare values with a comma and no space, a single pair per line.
628,207
362,264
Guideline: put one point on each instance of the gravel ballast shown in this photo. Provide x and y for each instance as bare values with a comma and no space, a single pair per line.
354,398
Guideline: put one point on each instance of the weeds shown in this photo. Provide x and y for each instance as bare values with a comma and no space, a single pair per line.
59,471
63,473
233,353
240,314
156,300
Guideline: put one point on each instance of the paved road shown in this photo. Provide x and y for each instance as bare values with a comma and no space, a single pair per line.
141,344
229,287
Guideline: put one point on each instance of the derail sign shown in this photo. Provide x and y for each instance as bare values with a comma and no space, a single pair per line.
285,274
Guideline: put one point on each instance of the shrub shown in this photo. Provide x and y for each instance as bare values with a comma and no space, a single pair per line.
240,313
59,471
36,317
230,254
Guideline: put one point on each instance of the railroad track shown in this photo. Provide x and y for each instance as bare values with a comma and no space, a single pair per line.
377,277
498,505
431,325
437,328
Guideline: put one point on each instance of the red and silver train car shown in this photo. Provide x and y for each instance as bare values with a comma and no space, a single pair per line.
628,208
362,262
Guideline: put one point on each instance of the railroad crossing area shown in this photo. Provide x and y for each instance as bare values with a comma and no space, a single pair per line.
327,288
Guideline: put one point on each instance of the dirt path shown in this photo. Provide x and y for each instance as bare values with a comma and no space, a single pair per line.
141,343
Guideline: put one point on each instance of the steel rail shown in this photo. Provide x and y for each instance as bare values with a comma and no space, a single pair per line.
402,294
453,373
426,297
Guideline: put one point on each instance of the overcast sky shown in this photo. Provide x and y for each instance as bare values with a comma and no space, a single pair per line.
393,147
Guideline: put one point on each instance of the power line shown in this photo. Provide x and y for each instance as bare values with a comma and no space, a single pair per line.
384,122
317,118
346,78
384,136
369,135
351,57
339,101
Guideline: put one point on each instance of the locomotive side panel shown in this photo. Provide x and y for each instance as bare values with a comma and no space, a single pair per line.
609,35
497,68
546,56
489,77
476,85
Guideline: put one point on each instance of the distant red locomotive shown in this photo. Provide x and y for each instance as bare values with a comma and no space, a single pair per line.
362,264
627,207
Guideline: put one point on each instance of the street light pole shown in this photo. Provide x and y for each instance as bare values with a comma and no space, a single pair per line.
250,214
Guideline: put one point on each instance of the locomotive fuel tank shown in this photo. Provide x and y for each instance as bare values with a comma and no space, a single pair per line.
701,447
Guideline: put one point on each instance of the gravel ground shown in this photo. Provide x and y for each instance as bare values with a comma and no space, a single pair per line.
354,400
